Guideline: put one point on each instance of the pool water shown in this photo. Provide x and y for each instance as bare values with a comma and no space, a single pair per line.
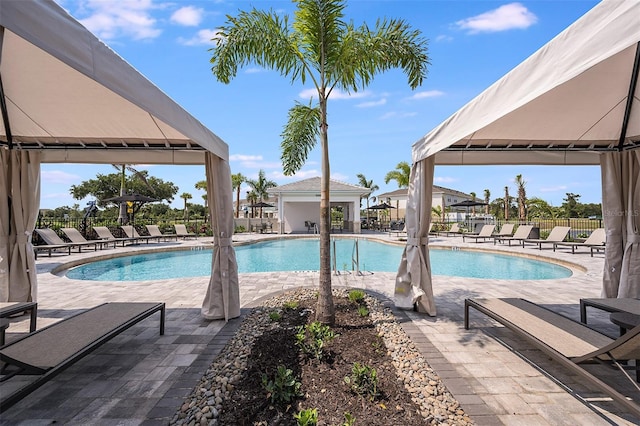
303,255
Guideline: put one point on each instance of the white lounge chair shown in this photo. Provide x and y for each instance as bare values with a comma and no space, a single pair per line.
568,342
105,234
76,237
154,231
53,242
506,230
181,231
557,235
484,234
596,239
522,233
454,230
132,233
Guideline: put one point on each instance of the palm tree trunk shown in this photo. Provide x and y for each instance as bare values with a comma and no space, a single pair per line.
122,214
238,202
325,311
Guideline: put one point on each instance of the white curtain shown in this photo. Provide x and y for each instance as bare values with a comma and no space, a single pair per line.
621,213
22,169
223,294
5,226
413,281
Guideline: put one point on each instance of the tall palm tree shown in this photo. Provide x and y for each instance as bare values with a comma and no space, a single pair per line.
522,198
202,186
473,198
237,180
260,186
372,187
185,196
252,198
401,175
319,47
507,203
487,198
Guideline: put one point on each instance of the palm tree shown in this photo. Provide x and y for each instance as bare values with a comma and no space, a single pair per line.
522,198
401,175
487,198
473,198
362,180
332,54
260,187
507,203
237,180
252,198
185,196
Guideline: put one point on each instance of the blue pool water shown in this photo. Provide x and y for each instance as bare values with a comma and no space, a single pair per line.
303,255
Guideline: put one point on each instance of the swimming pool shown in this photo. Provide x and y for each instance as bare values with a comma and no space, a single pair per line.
303,255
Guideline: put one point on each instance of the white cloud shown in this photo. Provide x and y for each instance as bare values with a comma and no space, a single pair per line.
395,114
372,103
201,37
445,180
254,162
444,38
559,188
242,157
125,18
188,16
506,17
58,176
300,174
335,94
253,70
426,94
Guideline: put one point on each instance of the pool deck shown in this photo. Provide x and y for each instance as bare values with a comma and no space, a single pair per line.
142,378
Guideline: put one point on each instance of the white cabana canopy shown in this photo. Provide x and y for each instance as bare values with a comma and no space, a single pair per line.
563,105
66,97
576,101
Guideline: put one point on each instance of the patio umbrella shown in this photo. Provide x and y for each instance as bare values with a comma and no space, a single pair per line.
260,205
382,206
468,204
66,97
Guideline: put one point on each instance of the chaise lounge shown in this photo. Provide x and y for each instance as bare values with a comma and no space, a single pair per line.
484,234
154,231
54,242
181,231
50,350
105,235
557,235
596,239
522,233
568,342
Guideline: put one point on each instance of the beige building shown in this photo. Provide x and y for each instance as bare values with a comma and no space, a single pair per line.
442,197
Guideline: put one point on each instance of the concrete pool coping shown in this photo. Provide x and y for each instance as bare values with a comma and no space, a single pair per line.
141,378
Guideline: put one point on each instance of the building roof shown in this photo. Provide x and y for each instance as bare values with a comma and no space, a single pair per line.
313,185
405,192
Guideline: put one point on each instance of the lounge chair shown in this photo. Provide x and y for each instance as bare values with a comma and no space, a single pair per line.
557,235
154,231
76,237
454,230
568,342
181,231
484,234
53,242
105,234
50,350
505,231
132,233
522,233
596,239
403,231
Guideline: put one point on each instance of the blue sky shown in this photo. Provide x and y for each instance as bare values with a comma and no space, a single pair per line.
471,45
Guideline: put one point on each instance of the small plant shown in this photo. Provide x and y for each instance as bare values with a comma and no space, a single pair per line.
363,380
356,296
290,305
308,417
239,229
275,316
349,420
311,339
363,311
283,388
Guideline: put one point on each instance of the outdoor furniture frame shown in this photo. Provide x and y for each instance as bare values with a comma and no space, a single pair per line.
557,235
568,342
506,230
7,309
522,233
53,241
484,234
181,231
76,237
623,304
596,239
50,350
106,236
154,231
132,233
454,230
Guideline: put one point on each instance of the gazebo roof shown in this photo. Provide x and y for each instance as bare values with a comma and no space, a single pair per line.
312,185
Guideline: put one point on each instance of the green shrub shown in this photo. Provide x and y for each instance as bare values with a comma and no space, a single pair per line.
275,316
356,296
290,305
363,311
311,339
363,380
349,420
308,417
239,229
284,387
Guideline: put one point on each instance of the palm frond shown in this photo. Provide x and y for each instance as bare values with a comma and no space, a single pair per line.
259,37
299,136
